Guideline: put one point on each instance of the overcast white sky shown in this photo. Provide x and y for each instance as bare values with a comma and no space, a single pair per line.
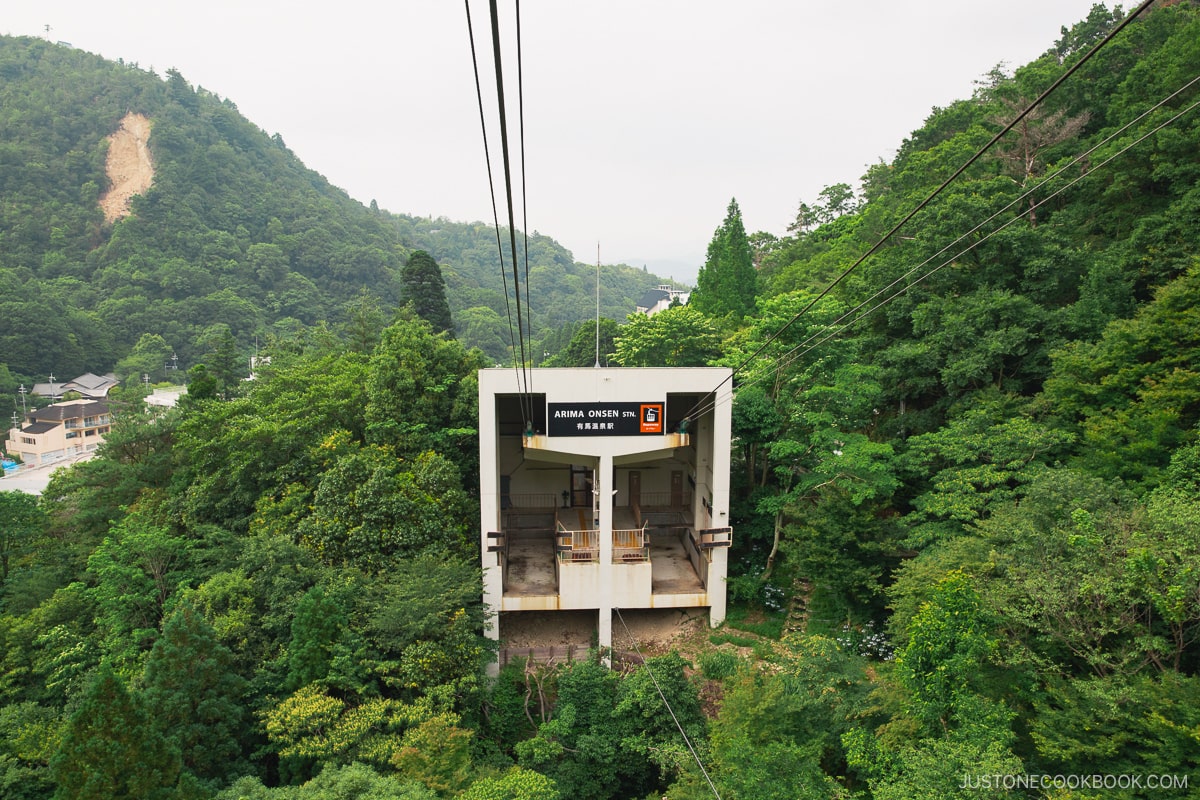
642,119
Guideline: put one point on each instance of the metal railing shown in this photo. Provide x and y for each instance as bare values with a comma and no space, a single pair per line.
630,547
674,500
531,500
577,546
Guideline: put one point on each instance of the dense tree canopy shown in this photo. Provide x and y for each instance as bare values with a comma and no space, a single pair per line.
965,493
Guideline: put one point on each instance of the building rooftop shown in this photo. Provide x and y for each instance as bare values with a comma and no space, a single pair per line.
652,297
72,409
47,389
87,384
167,397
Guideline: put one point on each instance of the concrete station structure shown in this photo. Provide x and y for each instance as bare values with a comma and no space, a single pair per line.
603,489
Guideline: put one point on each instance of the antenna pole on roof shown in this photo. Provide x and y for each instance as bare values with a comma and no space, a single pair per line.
597,304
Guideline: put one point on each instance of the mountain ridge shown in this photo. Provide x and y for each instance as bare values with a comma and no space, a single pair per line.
235,232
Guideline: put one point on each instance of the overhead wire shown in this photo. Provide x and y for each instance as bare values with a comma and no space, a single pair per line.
667,703
524,202
512,231
819,338
1021,198
942,187
491,187
973,245
789,357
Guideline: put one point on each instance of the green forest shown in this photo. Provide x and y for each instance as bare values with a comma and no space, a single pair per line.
235,236
966,467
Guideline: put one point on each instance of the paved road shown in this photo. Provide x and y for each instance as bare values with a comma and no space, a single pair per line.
33,480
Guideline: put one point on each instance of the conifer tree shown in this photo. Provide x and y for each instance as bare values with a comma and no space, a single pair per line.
726,283
425,289
109,750
223,361
193,697
316,634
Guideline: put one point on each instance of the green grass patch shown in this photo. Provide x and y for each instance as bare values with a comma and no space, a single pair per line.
766,624
729,638
717,665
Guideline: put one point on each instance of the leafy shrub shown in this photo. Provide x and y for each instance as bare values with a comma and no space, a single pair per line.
717,665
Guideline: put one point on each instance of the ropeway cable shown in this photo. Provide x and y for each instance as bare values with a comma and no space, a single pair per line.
978,154
512,232
829,332
492,189
670,710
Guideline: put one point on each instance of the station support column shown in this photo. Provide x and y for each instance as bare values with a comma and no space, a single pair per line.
604,497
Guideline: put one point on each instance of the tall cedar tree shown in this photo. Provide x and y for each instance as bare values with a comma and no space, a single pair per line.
726,283
109,749
425,288
193,695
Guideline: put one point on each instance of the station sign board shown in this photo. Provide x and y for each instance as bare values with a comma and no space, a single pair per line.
606,419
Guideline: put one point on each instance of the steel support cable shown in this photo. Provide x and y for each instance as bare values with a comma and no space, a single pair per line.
920,206
670,710
793,355
524,204
1051,196
512,232
491,186
1020,199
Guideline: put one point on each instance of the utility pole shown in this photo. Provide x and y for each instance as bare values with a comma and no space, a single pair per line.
22,390
597,305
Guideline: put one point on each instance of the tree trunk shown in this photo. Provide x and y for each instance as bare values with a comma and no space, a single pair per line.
774,545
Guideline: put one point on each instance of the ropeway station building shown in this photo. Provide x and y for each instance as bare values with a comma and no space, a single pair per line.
603,489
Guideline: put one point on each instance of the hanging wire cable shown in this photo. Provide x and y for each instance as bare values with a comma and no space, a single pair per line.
818,338
830,334
508,185
934,194
491,186
666,703
524,202
1018,200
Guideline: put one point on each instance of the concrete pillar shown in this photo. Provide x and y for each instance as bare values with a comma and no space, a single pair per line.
717,591
719,567
602,483
489,518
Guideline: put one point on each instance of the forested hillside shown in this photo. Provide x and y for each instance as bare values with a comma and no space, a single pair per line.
235,234
966,559
562,292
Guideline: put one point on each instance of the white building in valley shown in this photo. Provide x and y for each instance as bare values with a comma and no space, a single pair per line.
60,431
603,489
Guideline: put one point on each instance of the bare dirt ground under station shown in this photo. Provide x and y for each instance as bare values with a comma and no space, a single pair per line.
653,630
